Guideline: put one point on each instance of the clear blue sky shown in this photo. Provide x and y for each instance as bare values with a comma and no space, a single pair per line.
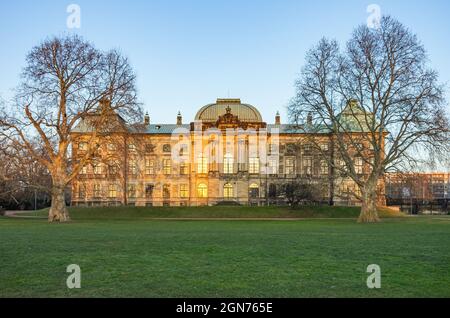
187,53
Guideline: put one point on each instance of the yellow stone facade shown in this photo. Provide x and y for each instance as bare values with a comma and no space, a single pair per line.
227,155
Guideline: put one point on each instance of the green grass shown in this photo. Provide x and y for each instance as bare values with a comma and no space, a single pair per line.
115,213
140,257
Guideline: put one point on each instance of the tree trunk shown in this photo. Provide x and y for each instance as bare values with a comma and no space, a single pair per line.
369,213
58,210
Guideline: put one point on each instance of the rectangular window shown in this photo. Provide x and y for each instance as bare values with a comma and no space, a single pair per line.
183,168
273,166
132,147
132,167
228,191
112,168
228,164
84,170
202,164
97,191
324,147
341,163
81,191
112,191
184,192
166,191
358,165
307,166
149,166
273,149
253,165
350,189
97,168
167,166
323,167
132,191
290,166
202,191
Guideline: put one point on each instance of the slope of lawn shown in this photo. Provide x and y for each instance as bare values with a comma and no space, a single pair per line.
153,258
127,212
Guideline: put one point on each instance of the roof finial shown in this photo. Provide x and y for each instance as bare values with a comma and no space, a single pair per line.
179,119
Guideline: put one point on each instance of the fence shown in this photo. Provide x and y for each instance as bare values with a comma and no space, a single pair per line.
421,207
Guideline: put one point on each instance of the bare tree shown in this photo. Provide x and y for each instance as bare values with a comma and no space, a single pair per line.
67,81
303,191
24,181
377,100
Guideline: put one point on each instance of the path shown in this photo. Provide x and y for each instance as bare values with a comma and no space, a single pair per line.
17,214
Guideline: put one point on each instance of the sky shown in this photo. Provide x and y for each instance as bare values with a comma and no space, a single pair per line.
188,53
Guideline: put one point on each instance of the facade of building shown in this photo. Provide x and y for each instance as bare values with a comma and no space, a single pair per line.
418,187
227,155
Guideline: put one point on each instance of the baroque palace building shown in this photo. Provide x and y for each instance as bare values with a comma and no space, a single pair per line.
227,155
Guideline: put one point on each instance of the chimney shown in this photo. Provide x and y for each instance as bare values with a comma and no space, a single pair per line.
277,119
146,119
104,105
309,119
179,119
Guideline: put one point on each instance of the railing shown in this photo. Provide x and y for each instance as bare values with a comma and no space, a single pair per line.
97,176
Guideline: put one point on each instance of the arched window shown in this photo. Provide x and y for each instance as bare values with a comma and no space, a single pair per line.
149,191
166,191
228,162
228,191
202,190
254,190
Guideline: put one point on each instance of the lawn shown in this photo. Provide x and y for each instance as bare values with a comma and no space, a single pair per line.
232,212
124,253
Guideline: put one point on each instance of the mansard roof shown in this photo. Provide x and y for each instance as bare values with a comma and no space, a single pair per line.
296,129
352,118
164,128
